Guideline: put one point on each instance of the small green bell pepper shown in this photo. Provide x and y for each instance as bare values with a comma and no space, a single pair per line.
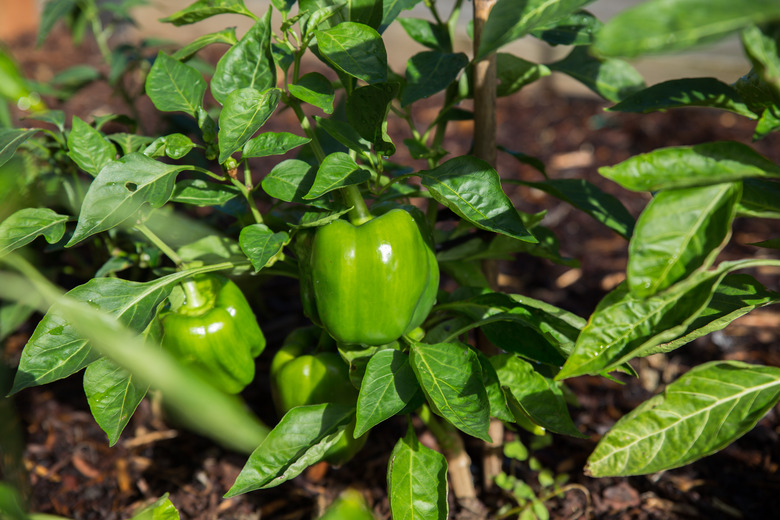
303,373
215,332
374,282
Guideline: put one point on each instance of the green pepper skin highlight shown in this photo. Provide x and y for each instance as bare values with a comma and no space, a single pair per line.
374,282
300,375
215,332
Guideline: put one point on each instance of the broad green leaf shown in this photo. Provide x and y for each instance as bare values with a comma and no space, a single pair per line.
58,349
315,89
53,117
261,245
699,414
367,109
679,232
227,36
510,20
684,92
175,146
88,148
496,397
392,8
429,72
589,198
537,397
120,189
624,326
199,192
451,377
735,296
761,46
272,143
514,73
355,49
579,28
336,171
301,438
368,12
760,198
317,13
113,395
658,26
433,35
244,112
129,143
687,166
27,224
610,78
248,64
174,86
417,481
10,139
768,122
289,180
344,133
202,9
53,11
472,189
161,509
388,386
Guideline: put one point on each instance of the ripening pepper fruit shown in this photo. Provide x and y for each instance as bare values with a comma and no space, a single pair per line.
304,372
350,505
215,332
374,282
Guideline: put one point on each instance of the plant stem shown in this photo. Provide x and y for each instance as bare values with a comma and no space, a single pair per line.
162,246
359,213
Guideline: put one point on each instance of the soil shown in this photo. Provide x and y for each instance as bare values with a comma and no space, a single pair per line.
65,467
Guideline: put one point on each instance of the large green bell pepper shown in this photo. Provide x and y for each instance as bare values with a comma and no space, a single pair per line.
304,372
374,282
215,332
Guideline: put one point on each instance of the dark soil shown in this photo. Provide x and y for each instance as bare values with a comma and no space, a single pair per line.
65,466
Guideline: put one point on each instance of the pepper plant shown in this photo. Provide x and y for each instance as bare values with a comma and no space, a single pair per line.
369,238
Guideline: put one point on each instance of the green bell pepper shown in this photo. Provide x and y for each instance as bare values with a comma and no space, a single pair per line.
302,373
215,332
375,282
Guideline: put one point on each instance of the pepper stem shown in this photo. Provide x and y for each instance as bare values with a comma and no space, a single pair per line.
359,213
193,297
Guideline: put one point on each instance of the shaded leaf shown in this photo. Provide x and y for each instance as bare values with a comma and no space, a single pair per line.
367,109
336,171
514,73
199,192
610,78
355,49
25,225
261,245
10,139
315,89
430,72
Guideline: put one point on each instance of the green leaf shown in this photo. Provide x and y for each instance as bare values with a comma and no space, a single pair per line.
244,112
129,143
687,166
248,64
27,224
699,414
658,26
610,78
684,92
227,36
760,198
10,139
199,192
301,438
336,171
496,397
174,86
514,73
429,72
89,148
161,509
367,109
344,133
272,143
451,377
53,11
510,20
579,28
13,316
435,36
388,386
261,245
315,89
120,189
679,232
355,49
417,481
624,326
175,146
761,46
202,9
113,395
735,296
289,180
588,197
534,396
472,189
58,349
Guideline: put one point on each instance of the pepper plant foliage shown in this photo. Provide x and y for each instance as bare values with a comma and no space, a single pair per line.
128,198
